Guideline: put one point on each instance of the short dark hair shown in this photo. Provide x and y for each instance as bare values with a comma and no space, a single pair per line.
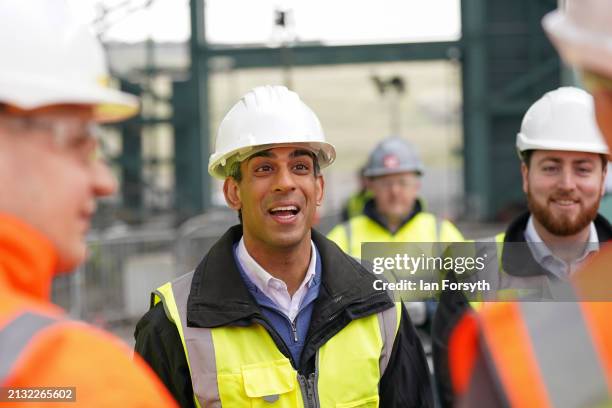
527,154
234,171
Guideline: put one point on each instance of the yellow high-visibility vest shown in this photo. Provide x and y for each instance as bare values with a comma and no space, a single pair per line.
423,227
242,367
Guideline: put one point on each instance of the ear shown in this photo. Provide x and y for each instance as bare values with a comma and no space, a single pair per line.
231,191
525,174
320,188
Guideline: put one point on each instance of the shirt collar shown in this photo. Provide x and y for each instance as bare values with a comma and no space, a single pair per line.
262,278
540,251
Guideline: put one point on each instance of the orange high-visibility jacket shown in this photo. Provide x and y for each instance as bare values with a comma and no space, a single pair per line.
41,347
539,354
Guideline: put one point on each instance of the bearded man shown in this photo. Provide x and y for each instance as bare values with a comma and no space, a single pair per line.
563,166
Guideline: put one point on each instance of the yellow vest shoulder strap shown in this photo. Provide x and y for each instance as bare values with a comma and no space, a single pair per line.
173,296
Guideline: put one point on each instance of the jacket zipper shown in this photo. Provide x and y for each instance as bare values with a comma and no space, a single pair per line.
307,385
309,392
294,331
313,380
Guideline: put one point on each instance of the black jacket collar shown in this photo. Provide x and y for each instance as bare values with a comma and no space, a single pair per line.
219,296
369,210
517,260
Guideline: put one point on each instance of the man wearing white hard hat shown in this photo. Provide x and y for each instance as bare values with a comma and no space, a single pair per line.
560,352
50,99
564,164
275,313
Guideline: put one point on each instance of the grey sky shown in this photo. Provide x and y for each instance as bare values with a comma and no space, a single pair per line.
251,21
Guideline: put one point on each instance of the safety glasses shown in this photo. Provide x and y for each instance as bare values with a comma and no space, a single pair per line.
73,135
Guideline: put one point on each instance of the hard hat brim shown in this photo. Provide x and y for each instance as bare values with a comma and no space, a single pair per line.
109,105
326,153
578,46
398,170
524,143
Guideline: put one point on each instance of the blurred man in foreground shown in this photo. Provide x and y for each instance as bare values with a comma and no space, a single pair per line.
50,177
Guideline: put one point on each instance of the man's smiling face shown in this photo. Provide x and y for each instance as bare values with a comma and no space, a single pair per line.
278,195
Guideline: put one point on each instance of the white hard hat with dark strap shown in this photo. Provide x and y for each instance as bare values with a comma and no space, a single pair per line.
562,119
49,58
582,32
265,117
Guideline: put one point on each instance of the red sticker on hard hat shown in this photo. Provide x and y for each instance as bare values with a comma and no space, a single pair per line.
391,161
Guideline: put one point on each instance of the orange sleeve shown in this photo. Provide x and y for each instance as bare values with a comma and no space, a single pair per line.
99,365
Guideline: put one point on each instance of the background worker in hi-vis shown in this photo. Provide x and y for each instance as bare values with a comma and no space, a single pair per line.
563,181
395,213
50,176
275,312
551,354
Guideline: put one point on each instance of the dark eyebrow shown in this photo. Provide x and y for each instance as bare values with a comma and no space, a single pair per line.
553,159
583,161
294,154
263,153
302,152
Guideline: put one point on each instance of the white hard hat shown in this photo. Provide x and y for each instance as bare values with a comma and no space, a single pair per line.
48,58
265,117
582,32
563,119
391,156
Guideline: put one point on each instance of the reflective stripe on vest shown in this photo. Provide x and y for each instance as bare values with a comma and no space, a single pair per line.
16,336
545,348
423,227
197,342
237,366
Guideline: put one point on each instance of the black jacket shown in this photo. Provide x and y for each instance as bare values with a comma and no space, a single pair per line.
219,297
453,304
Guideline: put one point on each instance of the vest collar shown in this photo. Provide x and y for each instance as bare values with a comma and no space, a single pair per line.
369,210
219,297
28,260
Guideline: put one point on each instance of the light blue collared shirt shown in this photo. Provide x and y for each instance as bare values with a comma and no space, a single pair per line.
548,260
